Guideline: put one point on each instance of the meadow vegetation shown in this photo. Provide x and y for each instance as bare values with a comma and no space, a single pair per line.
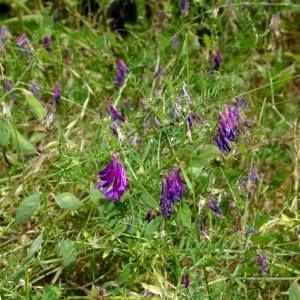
149,149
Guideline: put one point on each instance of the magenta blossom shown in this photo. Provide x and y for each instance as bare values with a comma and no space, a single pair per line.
113,180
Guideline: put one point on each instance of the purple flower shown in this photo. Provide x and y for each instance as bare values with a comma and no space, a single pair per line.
113,180
240,101
175,42
217,61
185,5
159,72
35,87
113,113
120,73
150,215
192,116
227,129
9,88
4,33
56,93
261,259
23,43
254,176
172,191
22,40
47,43
214,207
185,281
126,103
157,122
248,182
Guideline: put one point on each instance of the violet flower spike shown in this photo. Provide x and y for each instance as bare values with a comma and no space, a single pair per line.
113,180
5,34
185,5
113,113
214,207
128,106
159,72
47,43
120,73
157,122
175,42
261,259
217,61
35,87
22,40
9,88
56,93
254,176
23,43
185,281
192,116
172,191
165,200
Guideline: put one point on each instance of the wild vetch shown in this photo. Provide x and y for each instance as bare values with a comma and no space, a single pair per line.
56,93
113,182
211,203
193,117
35,87
113,113
5,34
128,106
159,72
185,281
261,259
172,191
175,42
120,73
249,182
227,129
214,61
9,88
47,43
185,5
24,44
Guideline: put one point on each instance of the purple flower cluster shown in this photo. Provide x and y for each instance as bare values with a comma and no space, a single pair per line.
185,281
261,259
227,129
212,205
47,43
185,5
35,87
56,93
172,191
25,45
113,113
215,60
113,180
249,182
9,88
120,73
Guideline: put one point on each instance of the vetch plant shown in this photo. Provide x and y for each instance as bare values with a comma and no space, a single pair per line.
113,180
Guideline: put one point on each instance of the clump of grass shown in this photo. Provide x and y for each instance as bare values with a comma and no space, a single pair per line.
184,118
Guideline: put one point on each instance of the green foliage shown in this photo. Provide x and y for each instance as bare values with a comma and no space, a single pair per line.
67,241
